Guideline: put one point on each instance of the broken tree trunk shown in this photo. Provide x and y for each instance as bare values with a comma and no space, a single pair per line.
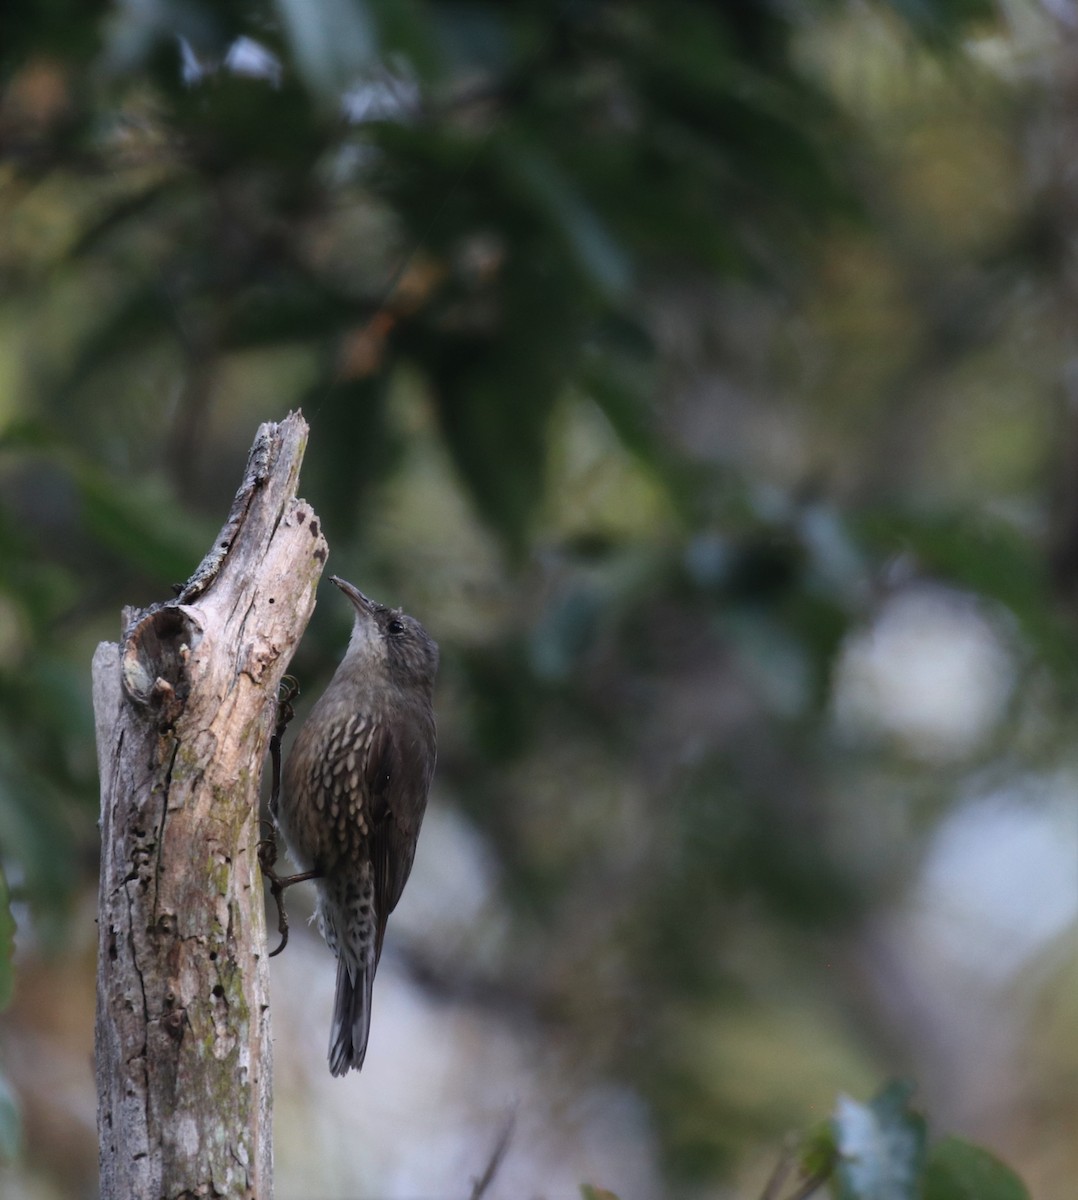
185,706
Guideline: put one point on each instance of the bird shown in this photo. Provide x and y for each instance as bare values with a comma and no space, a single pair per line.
355,789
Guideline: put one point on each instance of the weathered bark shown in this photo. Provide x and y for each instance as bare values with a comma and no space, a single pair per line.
184,708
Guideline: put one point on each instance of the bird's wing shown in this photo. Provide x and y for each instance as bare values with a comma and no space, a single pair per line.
393,822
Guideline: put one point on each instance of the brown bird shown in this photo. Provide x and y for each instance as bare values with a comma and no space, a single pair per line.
355,790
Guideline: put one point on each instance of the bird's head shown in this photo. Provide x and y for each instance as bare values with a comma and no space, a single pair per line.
390,642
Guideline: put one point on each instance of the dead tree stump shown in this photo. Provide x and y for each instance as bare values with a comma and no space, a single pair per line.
184,709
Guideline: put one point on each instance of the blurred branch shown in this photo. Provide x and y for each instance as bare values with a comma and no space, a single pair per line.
501,1148
810,1181
812,1184
781,1172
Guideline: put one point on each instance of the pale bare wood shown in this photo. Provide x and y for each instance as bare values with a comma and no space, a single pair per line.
184,709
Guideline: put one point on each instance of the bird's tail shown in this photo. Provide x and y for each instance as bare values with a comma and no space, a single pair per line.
351,1017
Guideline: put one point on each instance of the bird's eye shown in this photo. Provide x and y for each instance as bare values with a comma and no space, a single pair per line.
395,628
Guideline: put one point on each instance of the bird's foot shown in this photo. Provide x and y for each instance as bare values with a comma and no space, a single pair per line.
267,860
287,691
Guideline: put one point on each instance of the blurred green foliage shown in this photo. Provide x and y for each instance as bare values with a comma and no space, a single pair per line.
880,1147
636,339
958,1171
881,1151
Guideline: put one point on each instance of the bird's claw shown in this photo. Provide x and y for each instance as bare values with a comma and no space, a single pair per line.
287,691
267,860
267,857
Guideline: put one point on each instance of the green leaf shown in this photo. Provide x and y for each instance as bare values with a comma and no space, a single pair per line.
985,555
497,442
817,1152
137,319
7,951
332,41
617,384
554,196
407,31
140,523
267,316
881,1147
26,433
356,449
67,28
957,1170
36,817
495,394
941,22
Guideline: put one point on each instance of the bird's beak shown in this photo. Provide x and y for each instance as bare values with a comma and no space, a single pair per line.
362,603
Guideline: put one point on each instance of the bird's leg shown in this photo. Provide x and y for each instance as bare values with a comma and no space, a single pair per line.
267,847
267,857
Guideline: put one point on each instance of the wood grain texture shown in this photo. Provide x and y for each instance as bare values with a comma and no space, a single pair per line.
184,708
